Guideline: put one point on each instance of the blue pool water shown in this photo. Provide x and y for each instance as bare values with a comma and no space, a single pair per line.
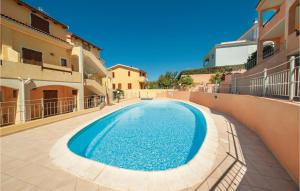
152,135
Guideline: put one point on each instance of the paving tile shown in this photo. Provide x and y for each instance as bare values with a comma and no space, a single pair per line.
83,185
13,184
256,180
26,164
276,184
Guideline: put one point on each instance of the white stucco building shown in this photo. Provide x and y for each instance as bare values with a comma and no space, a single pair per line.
234,52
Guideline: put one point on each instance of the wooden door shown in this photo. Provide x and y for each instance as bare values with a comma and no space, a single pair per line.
50,102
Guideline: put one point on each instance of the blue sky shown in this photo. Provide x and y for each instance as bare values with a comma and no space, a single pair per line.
154,35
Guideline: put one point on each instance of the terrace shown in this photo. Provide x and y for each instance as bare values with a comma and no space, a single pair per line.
243,161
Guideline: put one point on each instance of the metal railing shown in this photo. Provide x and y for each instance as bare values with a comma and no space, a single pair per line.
93,101
270,51
7,113
281,81
11,112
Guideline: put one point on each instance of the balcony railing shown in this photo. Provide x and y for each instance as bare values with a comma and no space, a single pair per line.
42,108
270,51
281,81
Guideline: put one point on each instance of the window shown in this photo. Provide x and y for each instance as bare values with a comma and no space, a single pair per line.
113,74
129,86
119,86
39,23
128,73
14,93
114,86
74,92
142,74
63,62
32,57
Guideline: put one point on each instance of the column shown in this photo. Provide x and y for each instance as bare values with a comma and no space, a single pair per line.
259,42
80,92
21,110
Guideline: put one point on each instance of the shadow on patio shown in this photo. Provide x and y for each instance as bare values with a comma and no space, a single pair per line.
248,164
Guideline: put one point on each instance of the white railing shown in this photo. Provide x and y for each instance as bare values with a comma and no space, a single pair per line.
11,112
7,113
282,80
92,101
40,108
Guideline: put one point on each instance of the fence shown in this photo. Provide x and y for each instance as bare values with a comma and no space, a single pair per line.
281,81
11,112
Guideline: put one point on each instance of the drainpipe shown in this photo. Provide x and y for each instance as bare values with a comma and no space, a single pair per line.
22,98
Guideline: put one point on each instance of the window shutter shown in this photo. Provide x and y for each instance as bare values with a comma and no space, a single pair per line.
39,23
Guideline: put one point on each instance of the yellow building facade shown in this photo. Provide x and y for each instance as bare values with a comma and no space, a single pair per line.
127,77
45,69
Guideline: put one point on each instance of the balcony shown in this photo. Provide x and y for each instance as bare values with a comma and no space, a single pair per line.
28,30
93,64
46,72
94,83
274,27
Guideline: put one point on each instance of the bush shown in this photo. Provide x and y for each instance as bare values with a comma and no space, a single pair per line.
118,94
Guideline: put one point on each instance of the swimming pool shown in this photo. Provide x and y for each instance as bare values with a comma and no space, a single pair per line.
148,136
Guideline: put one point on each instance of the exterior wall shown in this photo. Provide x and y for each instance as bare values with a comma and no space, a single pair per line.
121,77
281,29
8,105
13,41
234,55
210,58
201,79
66,101
222,55
293,25
77,42
62,92
17,69
278,128
21,13
7,94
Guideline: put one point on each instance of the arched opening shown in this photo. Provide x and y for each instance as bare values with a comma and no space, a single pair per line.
50,100
270,48
8,105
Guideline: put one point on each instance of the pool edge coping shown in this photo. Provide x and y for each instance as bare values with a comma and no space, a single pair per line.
183,177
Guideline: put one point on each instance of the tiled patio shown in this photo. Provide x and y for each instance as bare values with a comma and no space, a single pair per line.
243,161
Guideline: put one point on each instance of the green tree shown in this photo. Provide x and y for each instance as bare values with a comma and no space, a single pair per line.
118,94
167,80
217,78
185,82
152,85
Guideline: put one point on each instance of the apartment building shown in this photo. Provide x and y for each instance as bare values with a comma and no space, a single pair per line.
45,70
281,30
233,52
127,77
274,71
